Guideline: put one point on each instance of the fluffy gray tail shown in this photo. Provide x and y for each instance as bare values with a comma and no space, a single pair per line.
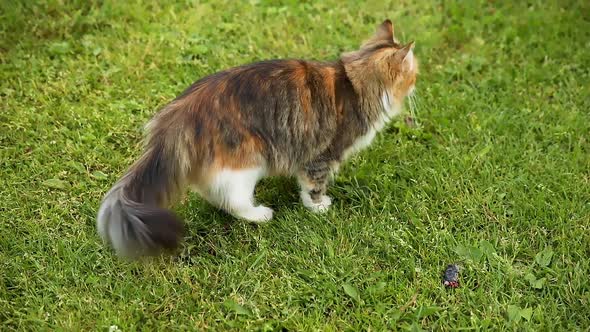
131,217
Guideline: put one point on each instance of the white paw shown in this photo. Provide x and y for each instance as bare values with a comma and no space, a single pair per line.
259,214
321,206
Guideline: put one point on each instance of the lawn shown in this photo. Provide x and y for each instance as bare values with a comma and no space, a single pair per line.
495,177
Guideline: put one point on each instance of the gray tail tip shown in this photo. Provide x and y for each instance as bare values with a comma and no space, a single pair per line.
166,231
136,231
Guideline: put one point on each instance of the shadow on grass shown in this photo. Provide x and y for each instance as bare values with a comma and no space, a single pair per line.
209,228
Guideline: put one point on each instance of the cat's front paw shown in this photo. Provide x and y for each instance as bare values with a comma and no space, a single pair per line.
318,206
259,214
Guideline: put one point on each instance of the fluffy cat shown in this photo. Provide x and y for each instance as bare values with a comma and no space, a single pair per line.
230,129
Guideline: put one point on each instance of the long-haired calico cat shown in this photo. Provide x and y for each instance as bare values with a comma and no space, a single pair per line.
230,129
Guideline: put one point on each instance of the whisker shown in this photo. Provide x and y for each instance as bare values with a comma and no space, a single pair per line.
413,103
418,102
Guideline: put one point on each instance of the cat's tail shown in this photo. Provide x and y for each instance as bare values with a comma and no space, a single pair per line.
132,217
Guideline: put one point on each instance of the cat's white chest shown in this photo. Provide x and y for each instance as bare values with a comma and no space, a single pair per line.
391,110
360,143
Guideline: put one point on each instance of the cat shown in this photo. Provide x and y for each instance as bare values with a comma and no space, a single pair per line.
232,128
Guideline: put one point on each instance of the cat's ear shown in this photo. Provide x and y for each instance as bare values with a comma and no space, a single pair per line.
405,56
384,32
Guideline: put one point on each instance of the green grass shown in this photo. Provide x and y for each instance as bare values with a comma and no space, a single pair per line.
496,177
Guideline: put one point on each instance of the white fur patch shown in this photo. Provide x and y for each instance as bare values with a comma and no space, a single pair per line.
391,110
321,206
360,143
409,60
233,191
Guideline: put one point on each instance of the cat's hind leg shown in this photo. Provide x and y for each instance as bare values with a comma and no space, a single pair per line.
233,191
313,180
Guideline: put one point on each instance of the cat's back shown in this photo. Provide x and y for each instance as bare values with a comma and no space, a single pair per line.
264,78
286,97
282,109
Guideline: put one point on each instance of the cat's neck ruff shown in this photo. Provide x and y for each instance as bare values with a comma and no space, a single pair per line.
391,109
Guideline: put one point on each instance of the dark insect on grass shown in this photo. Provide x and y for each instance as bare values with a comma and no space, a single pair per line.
451,276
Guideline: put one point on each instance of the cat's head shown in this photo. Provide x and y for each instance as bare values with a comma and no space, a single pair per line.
383,61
